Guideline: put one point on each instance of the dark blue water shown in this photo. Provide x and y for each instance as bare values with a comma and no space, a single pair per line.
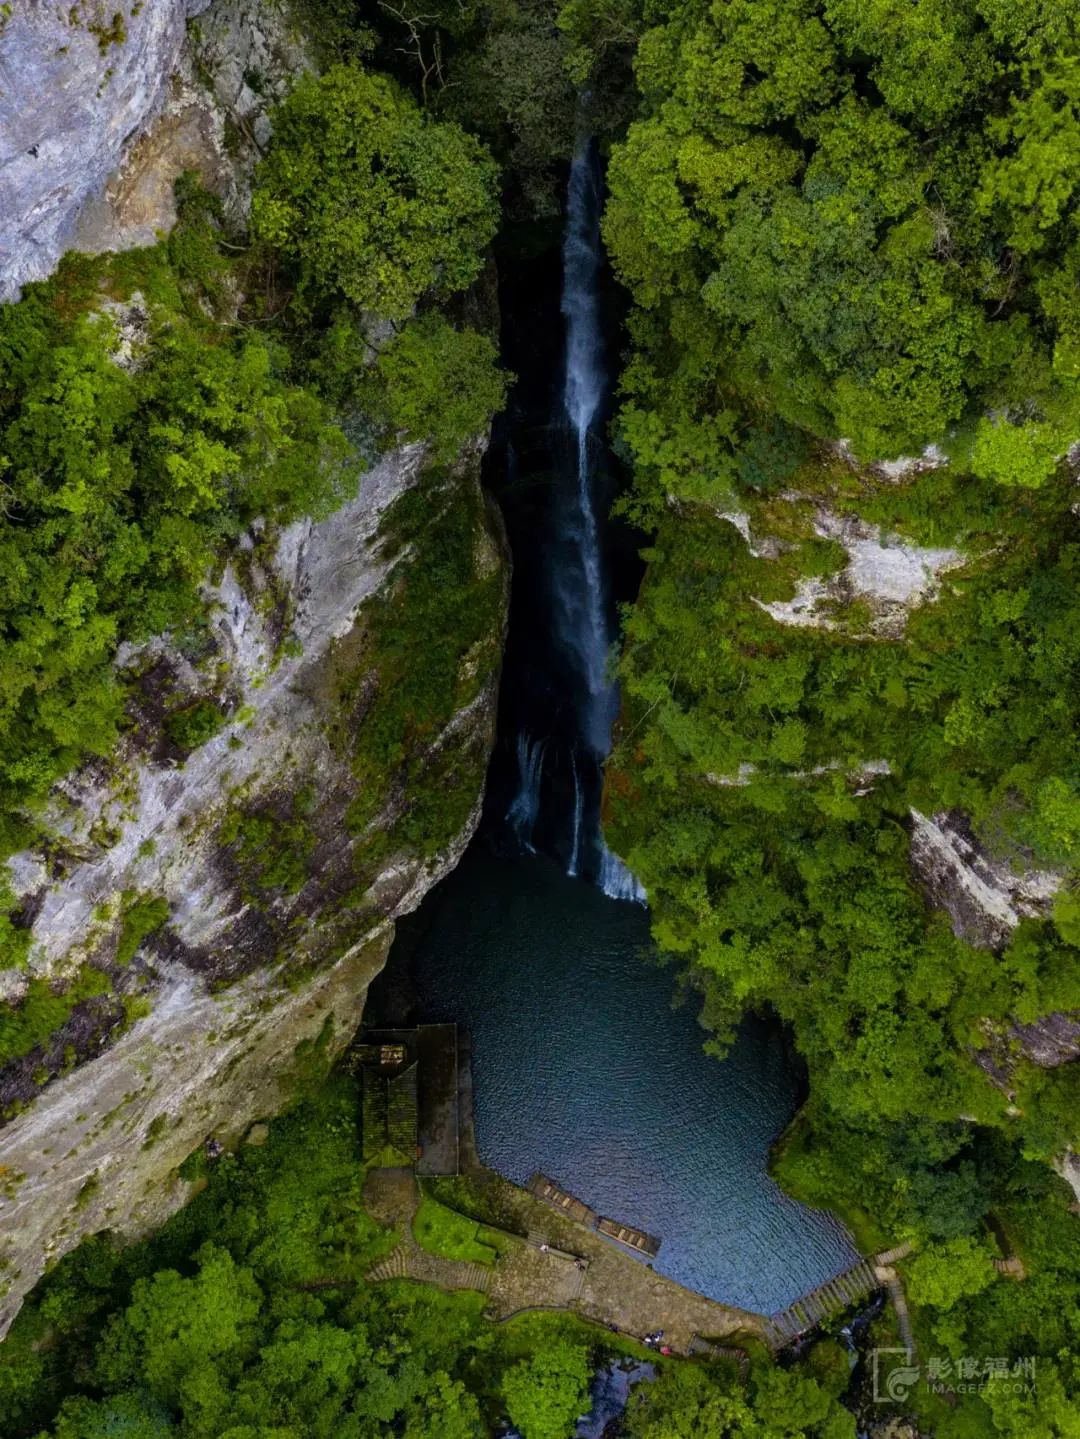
583,1069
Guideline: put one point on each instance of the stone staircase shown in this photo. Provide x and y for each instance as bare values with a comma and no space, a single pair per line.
903,1319
409,1261
394,1266
890,1256
476,1276
828,1299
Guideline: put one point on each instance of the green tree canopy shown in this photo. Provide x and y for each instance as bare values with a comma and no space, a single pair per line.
874,204
547,1393
437,383
370,197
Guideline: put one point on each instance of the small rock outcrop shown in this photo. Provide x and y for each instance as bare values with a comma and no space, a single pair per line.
1050,1041
985,898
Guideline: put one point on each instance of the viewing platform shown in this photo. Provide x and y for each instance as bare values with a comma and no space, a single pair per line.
549,1262
414,1105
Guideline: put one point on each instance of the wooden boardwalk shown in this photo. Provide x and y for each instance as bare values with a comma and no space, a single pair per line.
569,1205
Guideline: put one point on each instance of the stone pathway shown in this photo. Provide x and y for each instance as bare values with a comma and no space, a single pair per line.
898,1299
559,1266
392,1197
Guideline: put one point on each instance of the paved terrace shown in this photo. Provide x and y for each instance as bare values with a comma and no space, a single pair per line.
607,1286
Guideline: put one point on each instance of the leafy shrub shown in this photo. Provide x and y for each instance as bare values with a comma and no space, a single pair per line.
438,384
546,1393
44,1009
141,917
196,723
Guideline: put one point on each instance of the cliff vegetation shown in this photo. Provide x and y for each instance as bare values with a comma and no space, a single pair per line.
849,233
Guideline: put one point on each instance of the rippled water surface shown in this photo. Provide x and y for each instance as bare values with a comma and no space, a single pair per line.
583,1069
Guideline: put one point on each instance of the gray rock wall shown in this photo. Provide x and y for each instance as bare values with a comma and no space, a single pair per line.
78,83
100,1149
208,1024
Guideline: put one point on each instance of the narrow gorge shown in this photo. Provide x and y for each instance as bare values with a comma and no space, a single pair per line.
538,945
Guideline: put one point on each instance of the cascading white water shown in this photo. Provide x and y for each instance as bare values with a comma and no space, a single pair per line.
579,807
525,807
584,607
581,586
584,700
616,880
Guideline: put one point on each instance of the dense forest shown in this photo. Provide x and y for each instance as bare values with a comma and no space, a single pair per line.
858,223
846,233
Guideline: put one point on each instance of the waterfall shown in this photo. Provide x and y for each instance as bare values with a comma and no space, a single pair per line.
525,806
579,805
584,606
559,697
582,589
616,880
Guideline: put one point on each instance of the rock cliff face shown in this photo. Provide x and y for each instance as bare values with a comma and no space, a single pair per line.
102,108
230,875
984,898
236,62
274,908
887,575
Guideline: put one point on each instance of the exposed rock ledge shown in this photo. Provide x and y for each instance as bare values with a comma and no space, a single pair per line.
98,1147
1068,1166
1050,1041
888,574
984,897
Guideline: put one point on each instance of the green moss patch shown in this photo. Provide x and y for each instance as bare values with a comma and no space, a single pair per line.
445,1232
